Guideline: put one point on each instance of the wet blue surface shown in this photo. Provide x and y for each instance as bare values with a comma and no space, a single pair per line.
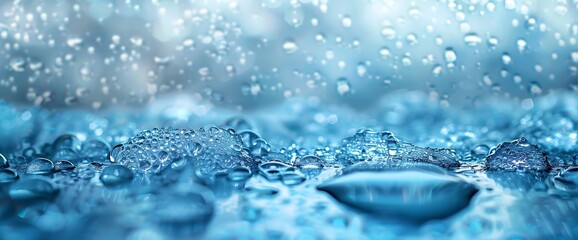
304,119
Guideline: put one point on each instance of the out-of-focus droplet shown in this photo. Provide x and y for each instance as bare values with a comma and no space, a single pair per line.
8,175
290,46
116,175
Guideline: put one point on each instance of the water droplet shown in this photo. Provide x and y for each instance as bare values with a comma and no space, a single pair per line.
472,39
114,154
64,165
3,161
17,64
535,88
8,175
40,166
346,21
292,178
450,56
239,174
32,190
290,46
414,196
389,32
116,175
480,151
73,42
343,86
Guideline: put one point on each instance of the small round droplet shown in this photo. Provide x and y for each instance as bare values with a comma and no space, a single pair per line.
343,86
116,175
290,46
40,166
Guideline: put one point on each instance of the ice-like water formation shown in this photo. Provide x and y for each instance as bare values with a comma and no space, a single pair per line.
384,146
415,196
209,150
518,155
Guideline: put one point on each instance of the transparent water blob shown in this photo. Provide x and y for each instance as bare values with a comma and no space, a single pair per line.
272,170
40,166
33,190
292,178
413,196
3,161
95,150
239,174
64,165
184,210
8,175
116,175
310,165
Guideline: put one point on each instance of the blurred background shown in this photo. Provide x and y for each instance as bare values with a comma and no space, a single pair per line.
248,54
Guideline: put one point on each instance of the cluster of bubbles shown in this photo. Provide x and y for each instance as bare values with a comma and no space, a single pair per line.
384,146
210,150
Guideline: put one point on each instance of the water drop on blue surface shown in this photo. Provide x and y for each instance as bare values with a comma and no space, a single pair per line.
66,141
95,150
31,190
272,170
8,175
239,174
480,151
414,196
115,175
310,165
567,180
3,161
40,166
292,178
64,165
184,211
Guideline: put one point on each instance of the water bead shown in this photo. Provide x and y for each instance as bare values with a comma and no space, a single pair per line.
239,174
414,196
95,150
185,210
40,166
114,154
32,190
3,161
8,175
115,175
292,178
64,165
